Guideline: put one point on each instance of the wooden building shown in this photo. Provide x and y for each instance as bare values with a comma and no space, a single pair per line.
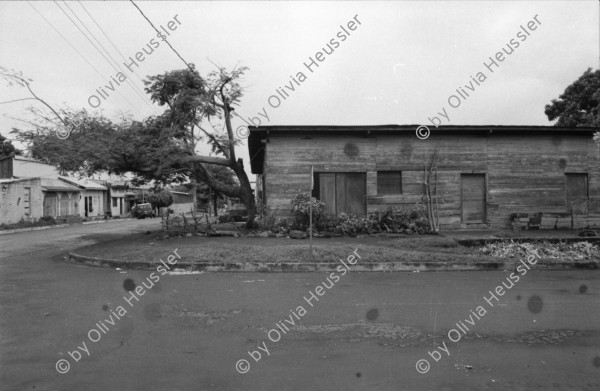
487,176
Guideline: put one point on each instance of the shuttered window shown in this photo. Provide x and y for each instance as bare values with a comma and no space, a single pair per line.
389,182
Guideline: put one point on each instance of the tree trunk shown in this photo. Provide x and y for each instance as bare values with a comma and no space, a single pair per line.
246,192
215,203
250,204
243,191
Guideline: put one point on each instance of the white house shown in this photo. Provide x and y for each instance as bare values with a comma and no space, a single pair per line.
20,199
92,196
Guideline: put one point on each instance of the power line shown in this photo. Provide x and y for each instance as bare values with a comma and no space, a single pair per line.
133,86
66,40
95,47
165,38
71,45
108,38
136,89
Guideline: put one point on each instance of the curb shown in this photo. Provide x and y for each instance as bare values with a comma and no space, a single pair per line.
331,266
12,231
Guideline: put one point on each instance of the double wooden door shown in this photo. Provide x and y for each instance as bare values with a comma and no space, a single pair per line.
343,192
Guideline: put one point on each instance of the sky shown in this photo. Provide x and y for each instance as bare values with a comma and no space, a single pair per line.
398,63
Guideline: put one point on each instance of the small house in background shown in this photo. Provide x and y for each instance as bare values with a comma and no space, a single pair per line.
25,167
30,190
487,176
21,199
92,196
61,199
118,205
183,200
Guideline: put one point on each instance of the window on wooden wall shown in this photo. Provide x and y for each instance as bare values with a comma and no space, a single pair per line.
576,187
389,182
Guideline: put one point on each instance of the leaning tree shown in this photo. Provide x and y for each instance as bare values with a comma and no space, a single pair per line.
162,148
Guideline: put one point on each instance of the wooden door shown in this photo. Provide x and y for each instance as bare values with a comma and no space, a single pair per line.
473,198
577,193
343,193
63,204
327,192
50,204
355,193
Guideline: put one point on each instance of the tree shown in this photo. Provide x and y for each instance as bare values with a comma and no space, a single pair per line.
161,199
579,105
160,148
207,194
7,148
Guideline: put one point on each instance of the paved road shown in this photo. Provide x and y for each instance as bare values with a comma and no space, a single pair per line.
367,332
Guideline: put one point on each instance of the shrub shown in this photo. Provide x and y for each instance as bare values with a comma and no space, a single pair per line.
266,221
301,203
351,225
399,219
161,199
281,226
392,219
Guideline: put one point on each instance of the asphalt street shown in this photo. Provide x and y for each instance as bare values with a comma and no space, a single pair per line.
367,331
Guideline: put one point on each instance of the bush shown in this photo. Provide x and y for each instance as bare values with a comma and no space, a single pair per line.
396,220
161,199
301,203
393,219
351,225
282,226
266,221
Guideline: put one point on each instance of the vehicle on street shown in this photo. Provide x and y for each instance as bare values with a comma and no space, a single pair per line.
141,211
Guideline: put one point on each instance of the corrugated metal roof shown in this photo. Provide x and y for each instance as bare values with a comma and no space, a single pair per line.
413,127
55,184
83,183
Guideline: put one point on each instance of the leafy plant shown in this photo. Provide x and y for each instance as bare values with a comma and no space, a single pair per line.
161,199
301,204
266,221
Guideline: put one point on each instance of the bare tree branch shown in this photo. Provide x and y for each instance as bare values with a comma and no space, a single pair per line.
26,83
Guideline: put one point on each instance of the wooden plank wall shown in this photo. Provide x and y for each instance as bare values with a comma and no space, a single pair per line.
525,174
288,160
